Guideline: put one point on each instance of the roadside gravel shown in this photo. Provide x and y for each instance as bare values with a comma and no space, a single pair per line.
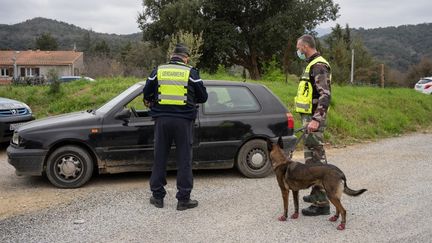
396,208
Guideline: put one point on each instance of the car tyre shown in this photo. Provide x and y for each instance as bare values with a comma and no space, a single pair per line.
69,167
253,159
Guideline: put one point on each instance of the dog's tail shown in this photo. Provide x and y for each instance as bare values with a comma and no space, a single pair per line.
351,192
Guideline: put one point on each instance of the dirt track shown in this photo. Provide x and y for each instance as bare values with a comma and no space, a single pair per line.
397,173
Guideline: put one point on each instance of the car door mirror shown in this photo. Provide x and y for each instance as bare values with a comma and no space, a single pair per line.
123,115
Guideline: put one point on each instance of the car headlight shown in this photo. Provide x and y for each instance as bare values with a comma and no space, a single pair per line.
16,139
28,108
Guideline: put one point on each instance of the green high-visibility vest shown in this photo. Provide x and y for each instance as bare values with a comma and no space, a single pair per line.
173,84
303,100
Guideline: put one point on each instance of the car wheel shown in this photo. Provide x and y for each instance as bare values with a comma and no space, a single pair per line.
69,167
253,159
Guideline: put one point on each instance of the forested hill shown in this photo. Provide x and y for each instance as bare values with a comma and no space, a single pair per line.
399,47
22,36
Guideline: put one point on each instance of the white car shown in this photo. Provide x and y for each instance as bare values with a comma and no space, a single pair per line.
424,85
73,78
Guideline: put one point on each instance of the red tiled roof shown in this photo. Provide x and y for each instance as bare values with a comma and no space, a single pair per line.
41,58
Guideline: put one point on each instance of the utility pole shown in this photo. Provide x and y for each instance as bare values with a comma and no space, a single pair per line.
352,66
15,68
382,75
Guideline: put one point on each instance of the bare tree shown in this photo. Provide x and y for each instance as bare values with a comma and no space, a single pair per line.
100,66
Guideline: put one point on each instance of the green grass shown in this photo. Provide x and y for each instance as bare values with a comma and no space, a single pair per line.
73,96
356,113
365,113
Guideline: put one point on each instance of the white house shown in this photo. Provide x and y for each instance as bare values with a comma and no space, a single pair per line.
24,64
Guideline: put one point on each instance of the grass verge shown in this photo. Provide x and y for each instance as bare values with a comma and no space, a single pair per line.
356,113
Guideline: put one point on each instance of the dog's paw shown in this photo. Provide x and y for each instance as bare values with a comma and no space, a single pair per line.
334,218
295,215
341,227
282,218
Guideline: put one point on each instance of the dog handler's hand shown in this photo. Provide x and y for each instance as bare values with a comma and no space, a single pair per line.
313,126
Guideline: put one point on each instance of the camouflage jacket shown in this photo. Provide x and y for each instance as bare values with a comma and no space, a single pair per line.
320,78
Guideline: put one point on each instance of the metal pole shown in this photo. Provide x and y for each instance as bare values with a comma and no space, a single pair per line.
14,68
382,75
352,66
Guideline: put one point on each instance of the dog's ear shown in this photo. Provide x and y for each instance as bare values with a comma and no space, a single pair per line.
269,144
280,142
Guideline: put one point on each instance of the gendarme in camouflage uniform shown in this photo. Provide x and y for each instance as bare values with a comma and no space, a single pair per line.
320,80
312,102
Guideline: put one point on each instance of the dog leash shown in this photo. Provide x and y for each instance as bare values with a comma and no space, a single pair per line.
302,135
298,140
304,129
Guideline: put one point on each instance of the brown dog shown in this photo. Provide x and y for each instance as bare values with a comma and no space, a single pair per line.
295,176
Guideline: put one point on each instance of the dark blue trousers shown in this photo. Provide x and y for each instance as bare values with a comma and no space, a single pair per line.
168,130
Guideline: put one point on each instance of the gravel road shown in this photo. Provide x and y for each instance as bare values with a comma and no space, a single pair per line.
396,208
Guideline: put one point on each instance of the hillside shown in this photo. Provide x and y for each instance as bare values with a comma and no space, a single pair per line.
399,47
22,36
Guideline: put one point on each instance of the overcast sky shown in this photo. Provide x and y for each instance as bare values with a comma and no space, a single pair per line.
119,16
382,13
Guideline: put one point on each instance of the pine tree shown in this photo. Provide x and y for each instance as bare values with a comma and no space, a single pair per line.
46,42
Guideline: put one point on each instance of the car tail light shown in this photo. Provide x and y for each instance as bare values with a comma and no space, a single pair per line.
290,120
427,86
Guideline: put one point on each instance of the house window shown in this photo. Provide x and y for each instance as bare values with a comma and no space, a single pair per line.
4,72
29,72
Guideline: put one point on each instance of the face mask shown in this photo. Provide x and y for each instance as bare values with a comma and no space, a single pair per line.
301,55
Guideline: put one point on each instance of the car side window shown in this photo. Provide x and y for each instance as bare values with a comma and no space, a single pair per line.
137,107
230,99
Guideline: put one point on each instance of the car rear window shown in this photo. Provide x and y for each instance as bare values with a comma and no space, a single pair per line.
230,99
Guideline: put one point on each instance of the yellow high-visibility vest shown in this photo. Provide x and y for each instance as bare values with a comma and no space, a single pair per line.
173,84
303,100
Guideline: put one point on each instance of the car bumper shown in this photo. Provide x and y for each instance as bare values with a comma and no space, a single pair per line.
427,91
5,122
289,143
26,161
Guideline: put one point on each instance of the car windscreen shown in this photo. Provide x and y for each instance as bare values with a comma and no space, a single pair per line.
108,106
424,81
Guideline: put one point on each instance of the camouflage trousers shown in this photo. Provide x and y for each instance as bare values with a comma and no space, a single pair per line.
314,153
314,142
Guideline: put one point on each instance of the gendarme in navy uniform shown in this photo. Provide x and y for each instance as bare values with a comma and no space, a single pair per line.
172,92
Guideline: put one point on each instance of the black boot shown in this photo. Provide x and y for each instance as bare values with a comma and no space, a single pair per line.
315,210
315,195
183,205
310,198
157,202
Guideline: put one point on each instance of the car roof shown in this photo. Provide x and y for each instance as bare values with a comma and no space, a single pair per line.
222,82
229,83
